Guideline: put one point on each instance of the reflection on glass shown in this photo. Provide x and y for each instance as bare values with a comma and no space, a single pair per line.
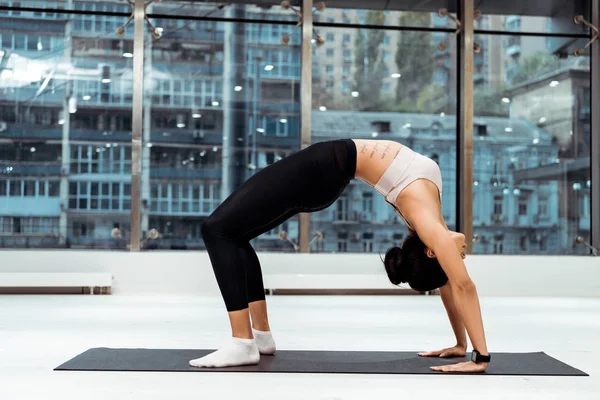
529,16
531,148
274,11
65,123
218,110
418,14
401,88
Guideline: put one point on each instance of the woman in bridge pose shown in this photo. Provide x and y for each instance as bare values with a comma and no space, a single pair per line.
311,180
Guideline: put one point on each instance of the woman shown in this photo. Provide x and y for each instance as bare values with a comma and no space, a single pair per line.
311,180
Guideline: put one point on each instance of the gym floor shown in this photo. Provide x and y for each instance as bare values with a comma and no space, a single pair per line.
38,333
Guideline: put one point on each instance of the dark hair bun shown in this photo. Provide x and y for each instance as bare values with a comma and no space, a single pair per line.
410,264
393,266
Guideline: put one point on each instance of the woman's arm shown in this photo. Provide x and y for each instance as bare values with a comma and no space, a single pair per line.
437,238
464,291
460,348
454,315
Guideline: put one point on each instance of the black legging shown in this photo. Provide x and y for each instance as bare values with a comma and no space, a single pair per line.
307,181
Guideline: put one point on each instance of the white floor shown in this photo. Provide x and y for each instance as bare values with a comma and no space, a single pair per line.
37,333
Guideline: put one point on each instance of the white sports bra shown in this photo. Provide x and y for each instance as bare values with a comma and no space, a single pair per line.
407,167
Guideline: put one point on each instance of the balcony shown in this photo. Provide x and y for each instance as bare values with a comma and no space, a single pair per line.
30,131
513,50
187,67
168,172
30,241
345,217
25,206
183,136
158,135
498,219
281,141
21,24
19,168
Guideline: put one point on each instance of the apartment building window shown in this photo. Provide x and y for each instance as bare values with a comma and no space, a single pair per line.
347,55
96,196
346,70
329,68
280,125
29,225
523,243
30,42
367,202
82,229
30,188
346,38
498,246
543,208
329,37
513,23
522,206
184,198
386,39
498,203
97,23
342,241
330,52
368,242
386,56
109,158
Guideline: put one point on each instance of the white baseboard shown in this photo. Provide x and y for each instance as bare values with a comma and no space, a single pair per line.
55,279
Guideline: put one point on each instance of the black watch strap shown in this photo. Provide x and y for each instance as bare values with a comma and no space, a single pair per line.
477,358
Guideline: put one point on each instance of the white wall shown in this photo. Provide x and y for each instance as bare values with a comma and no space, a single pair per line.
191,272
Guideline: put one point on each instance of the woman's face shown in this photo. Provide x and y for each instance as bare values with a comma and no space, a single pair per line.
461,245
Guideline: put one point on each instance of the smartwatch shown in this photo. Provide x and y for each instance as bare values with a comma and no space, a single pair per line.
477,358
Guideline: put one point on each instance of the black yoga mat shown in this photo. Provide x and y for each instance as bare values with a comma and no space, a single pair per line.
300,361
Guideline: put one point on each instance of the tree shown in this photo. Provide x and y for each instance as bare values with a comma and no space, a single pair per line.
531,66
415,58
487,102
369,64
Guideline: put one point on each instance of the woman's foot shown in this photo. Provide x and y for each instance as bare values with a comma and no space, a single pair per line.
264,342
235,353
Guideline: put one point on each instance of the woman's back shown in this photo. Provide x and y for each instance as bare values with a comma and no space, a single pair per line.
420,192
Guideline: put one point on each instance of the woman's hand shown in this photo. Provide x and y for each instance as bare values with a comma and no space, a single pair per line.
456,351
468,366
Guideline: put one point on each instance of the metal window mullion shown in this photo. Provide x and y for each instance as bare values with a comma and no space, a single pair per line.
136,137
465,132
306,108
595,137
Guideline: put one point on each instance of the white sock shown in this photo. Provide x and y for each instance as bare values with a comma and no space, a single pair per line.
264,342
237,352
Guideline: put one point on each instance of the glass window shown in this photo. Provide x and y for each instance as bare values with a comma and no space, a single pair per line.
532,145
186,151
34,128
422,14
379,105
530,17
